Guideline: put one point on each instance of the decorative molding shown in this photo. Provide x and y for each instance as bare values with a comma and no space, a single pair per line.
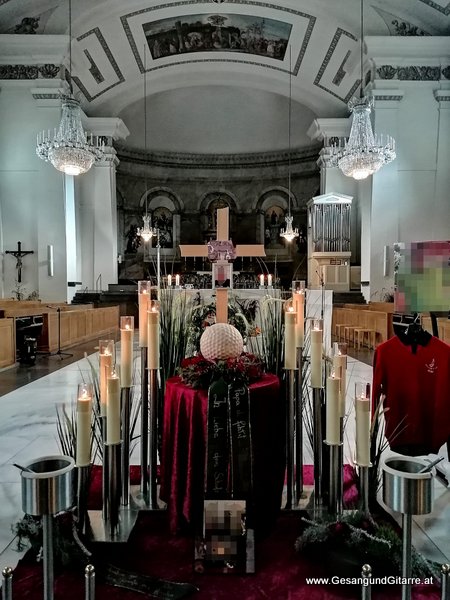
334,42
411,73
390,98
27,26
445,10
386,72
38,96
218,161
46,71
311,22
419,73
120,78
93,69
446,72
340,73
442,95
404,28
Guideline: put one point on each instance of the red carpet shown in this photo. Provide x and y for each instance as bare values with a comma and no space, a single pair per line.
281,572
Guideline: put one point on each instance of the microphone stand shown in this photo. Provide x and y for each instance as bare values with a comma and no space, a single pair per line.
58,352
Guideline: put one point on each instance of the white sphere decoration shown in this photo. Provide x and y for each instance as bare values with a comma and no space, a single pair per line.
221,341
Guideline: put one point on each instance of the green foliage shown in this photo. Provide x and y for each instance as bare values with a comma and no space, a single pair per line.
204,315
176,315
28,531
357,534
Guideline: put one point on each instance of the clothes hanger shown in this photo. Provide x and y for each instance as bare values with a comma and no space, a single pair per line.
415,335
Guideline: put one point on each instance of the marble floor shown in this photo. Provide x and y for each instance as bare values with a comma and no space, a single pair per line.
28,431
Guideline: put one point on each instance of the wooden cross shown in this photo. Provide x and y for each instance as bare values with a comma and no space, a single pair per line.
18,254
222,251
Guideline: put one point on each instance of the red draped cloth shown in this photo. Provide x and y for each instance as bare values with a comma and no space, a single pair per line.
184,444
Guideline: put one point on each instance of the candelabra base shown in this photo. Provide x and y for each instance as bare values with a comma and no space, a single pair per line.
142,501
99,529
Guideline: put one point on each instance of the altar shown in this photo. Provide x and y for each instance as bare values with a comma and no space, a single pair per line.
183,452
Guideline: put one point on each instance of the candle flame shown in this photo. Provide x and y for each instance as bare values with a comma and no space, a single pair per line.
291,309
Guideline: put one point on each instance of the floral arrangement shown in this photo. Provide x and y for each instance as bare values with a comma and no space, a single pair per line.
204,315
357,536
198,372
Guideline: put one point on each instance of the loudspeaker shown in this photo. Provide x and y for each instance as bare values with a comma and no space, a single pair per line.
50,260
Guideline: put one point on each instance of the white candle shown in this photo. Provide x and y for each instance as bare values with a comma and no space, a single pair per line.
261,280
316,357
113,409
169,280
126,350
84,412
153,337
340,368
269,280
290,352
177,280
106,361
333,429
144,297
363,416
299,305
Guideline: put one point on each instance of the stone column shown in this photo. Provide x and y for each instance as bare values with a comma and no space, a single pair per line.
97,209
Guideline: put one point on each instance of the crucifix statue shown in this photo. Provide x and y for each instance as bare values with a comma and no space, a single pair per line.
18,254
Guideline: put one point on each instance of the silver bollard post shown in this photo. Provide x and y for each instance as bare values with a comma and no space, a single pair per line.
445,589
125,462
406,555
7,583
144,422
47,547
366,586
89,582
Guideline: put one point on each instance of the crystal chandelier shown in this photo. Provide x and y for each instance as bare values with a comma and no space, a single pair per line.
146,232
364,153
69,149
289,233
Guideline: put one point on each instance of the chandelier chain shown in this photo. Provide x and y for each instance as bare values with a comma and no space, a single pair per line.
289,233
69,149
363,153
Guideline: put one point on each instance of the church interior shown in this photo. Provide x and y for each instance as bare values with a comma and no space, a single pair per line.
225,299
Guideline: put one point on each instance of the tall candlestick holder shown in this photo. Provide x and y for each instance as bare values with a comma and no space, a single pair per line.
298,299
299,428
153,439
111,502
335,490
144,423
317,391
317,446
125,457
83,482
290,438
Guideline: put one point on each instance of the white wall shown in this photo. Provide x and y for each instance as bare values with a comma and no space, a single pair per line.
31,195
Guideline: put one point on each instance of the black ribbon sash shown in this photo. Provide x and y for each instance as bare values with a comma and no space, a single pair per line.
217,455
228,447
240,435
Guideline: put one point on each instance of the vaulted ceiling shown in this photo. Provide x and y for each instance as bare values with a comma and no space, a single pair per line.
219,69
